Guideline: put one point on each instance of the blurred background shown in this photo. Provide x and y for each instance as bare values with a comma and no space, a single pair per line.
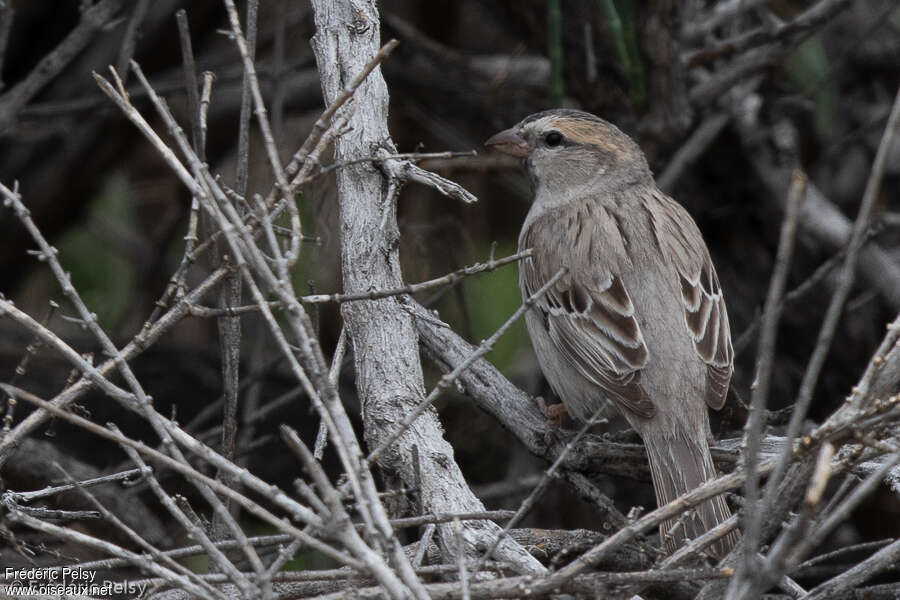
725,98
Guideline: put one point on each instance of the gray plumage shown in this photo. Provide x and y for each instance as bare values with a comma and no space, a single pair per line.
639,318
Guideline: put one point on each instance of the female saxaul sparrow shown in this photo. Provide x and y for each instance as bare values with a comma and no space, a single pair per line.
638,316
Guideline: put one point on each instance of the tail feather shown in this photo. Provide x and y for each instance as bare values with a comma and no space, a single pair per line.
677,466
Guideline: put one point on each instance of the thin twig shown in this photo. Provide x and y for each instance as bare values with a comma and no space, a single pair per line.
190,78
447,380
82,539
7,14
774,565
277,75
296,510
57,489
841,512
410,156
229,327
413,288
126,52
461,561
765,365
408,171
142,341
243,147
422,545
299,163
342,526
246,49
835,307
194,530
155,553
834,588
692,149
205,96
529,501
798,293
334,374
92,21
848,271
138,397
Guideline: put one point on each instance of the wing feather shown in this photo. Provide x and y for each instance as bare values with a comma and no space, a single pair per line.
590,318
705,314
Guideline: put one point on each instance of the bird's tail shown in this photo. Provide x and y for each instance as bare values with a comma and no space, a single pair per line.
678,465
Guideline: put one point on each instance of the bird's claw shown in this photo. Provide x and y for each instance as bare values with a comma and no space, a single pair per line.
552,412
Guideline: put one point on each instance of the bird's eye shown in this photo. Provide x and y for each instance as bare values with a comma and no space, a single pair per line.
553,138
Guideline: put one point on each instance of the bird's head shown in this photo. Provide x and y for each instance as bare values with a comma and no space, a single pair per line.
570,150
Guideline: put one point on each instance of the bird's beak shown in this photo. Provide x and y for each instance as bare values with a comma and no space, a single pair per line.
508,142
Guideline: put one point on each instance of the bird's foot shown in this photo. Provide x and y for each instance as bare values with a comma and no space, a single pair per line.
552,412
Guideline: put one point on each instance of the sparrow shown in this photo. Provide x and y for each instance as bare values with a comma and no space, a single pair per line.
638,318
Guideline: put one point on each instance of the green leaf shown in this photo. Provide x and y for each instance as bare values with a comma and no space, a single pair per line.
555,52
808,71
491,298
103,278
619,17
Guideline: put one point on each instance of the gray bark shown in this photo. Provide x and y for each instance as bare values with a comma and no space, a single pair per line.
388,372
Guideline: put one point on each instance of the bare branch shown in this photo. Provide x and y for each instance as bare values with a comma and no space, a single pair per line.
92,20
764,367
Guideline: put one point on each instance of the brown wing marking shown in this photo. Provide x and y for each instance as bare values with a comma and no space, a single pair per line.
597,333
705,315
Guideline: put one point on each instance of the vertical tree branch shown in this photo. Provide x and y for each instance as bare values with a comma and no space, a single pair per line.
385,345
764,368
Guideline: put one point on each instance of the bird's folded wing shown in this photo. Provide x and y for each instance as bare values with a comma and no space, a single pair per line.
593,325
704,305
